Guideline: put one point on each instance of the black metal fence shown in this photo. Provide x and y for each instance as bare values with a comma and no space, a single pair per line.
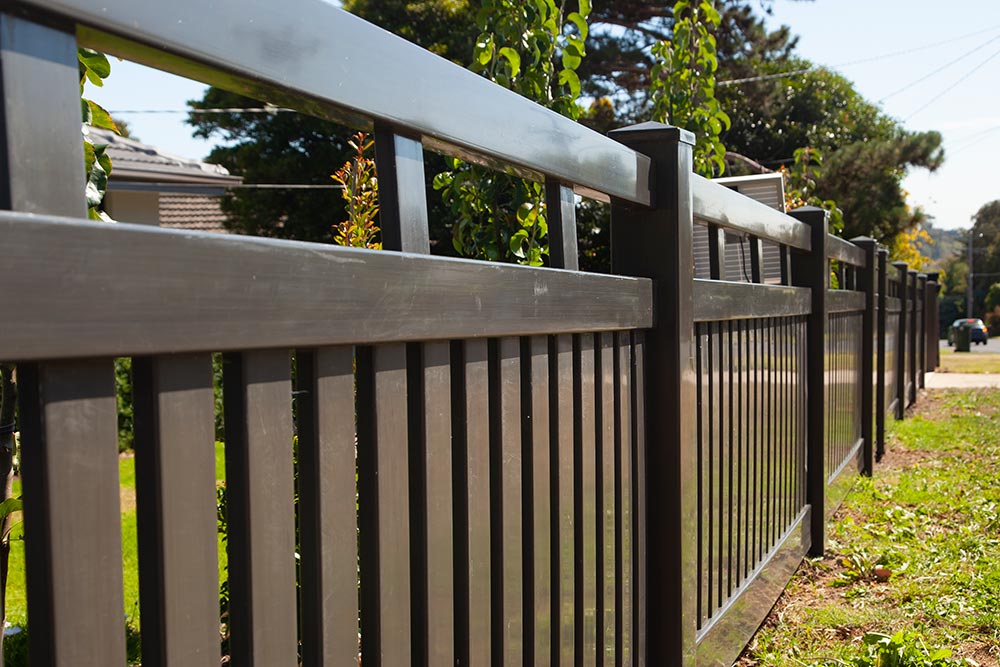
496,464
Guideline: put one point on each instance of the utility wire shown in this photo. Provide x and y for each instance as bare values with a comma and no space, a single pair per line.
884,56
952,86
267,110
939,69
923,47
766,77
974,140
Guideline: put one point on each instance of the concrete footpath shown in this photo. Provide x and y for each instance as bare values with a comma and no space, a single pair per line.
961,380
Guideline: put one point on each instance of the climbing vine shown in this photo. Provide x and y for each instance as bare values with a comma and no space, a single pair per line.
534,49
683,82
95,68
800,186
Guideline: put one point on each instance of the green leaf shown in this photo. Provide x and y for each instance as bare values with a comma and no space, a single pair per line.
94,66
100,118
98,167
580,23
512,57
517,243
442,180
584,8
94,61
9,506
484,50
570,61
568,77
89,157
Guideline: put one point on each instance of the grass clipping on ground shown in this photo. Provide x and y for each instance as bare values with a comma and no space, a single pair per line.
915,550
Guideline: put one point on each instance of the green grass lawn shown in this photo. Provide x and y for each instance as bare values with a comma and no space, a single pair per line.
915,549
16,605
971,362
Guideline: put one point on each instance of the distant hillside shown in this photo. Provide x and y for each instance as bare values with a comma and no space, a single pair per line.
947,243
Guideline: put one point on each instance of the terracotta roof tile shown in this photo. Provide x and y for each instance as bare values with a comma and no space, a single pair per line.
194,212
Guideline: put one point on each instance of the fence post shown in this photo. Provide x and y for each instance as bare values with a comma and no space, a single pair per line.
901,338
72,524
912,292
921,329
812,270
883,288
866,277
933,326
656,242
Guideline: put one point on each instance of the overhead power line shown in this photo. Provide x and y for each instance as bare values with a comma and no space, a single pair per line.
941,68
861,61
969,142
952,86
267,110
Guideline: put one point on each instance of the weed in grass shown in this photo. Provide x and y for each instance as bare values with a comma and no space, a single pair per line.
903,649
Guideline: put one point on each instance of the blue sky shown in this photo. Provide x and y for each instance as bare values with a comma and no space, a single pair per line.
962,100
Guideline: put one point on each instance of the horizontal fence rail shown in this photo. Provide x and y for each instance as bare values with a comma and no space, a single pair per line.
308,58
128,289
427,460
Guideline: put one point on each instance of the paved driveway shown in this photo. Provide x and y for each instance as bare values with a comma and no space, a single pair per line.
961,380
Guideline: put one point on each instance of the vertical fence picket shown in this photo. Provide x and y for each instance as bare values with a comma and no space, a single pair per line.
260,512
624,482
564,544
174,417
607,525
327,506
640,596
506,487
437,500
383,504
472,505
69,436
538,492
586,502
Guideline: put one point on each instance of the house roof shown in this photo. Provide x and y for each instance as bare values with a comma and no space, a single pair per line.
136,165
191,212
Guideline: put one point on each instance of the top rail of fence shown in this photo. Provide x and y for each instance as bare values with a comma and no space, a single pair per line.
319,59
727,208
845,251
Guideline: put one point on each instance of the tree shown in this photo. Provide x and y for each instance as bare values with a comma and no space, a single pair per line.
993,298
624,33
865,179
282,148
985,239
445,27
910,246
866,153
